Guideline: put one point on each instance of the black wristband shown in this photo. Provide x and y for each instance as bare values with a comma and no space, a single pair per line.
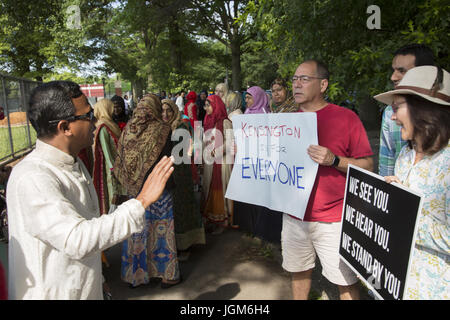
336,161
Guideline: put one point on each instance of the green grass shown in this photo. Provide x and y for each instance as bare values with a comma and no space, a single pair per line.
20,139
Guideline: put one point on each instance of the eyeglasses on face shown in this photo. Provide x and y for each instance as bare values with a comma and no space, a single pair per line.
87,116
396,105
304,79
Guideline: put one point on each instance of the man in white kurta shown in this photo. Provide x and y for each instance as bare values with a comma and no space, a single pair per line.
53,252
55,229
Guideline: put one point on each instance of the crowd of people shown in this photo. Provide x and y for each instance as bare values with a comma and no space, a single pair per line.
65,213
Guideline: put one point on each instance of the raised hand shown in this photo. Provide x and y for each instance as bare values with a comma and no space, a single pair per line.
156,182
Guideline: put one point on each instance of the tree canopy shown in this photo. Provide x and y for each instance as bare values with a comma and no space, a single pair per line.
194,44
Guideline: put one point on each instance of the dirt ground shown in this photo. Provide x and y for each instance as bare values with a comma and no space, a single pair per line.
15,118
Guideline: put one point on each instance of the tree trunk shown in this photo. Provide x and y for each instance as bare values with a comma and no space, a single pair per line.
138,89
236,65
175,44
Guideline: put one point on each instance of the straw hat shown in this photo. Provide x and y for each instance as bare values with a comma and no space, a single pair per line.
421,81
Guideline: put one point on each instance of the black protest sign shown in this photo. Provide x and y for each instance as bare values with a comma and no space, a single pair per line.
378,231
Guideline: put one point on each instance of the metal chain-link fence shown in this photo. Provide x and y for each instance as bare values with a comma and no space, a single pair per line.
17,136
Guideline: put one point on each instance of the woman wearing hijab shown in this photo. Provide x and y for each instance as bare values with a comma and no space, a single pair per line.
106,136
201,104
190,108
233,104
282,99
222,91
216,172
188,220
258,220
107,133
421,105
153,252
120,115
257,101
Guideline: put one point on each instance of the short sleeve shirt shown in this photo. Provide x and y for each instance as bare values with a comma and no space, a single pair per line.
341,131
391,143
431,177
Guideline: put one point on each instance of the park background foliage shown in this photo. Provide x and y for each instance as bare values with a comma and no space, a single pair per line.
194,44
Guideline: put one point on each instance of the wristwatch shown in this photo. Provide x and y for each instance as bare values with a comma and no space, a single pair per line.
336,161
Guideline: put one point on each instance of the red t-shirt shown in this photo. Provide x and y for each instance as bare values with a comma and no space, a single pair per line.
340,130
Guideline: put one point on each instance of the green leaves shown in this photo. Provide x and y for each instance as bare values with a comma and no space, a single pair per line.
359,59
175,44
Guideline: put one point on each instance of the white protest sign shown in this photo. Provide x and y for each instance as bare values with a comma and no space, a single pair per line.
272,167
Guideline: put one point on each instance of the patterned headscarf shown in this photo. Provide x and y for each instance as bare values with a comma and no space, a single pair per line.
287,105
261,101
176,119
141,144
233,102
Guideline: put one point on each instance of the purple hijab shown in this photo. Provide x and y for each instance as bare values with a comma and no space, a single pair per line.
261,101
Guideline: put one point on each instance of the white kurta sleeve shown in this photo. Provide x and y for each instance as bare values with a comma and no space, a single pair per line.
50,217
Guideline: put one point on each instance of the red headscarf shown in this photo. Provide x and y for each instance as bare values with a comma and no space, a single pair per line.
191,97
218,115
190,108
215,120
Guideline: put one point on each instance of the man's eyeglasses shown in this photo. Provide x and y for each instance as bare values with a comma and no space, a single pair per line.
304,79
88,116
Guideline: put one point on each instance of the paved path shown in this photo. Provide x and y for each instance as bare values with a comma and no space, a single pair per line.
232,265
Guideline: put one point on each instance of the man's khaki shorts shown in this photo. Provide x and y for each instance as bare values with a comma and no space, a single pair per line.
300,241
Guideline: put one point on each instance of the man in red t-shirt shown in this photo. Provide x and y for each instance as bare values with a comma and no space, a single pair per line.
342,141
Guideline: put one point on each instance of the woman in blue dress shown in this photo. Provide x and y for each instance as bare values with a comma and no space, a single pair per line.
151,253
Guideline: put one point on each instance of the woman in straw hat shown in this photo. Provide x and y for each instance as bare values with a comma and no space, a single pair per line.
421,105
